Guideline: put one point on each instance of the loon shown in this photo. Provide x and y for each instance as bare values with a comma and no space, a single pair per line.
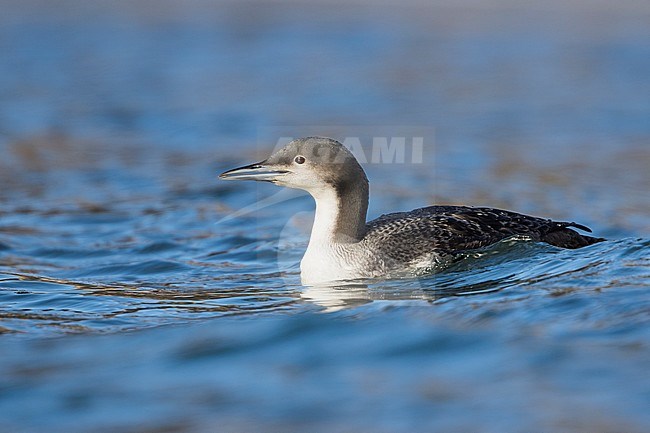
343,246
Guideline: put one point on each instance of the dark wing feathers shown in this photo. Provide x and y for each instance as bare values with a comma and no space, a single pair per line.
451,229
576,225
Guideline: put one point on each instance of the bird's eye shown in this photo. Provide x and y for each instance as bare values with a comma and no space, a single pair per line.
299,159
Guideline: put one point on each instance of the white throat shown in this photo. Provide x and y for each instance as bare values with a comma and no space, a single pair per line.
325,258
328,212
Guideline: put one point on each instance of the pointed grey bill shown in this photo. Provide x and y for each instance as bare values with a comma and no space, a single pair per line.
257,171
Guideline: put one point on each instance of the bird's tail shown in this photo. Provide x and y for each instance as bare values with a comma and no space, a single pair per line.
564,237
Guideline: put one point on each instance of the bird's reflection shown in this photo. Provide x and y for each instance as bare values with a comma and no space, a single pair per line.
336,297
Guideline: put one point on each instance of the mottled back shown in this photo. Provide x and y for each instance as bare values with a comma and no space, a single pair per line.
447,230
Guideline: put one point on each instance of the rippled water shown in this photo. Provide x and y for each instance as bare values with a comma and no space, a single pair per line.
139,293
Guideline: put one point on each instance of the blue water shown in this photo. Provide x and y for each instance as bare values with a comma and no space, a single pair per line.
139,293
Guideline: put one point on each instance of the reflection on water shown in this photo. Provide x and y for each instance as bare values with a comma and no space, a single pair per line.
140,294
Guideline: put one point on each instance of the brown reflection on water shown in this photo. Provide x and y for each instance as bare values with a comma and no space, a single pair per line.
173,300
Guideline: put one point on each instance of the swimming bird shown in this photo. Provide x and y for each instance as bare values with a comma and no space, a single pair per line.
343,246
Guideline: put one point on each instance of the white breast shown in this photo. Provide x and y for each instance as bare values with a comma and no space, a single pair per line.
322,263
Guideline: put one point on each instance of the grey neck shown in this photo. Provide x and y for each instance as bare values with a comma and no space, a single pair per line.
341,214
352,203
